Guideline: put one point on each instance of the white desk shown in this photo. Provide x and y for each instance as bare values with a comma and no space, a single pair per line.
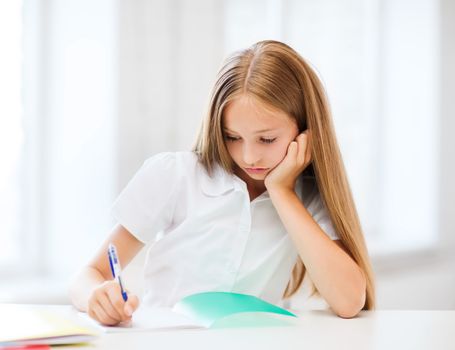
315,330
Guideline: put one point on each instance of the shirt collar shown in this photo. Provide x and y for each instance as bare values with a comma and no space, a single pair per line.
222,182
219,183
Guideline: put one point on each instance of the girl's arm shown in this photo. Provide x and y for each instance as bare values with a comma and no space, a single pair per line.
337,277
98,271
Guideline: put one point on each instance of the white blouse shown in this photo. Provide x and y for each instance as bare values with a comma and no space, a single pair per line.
205,234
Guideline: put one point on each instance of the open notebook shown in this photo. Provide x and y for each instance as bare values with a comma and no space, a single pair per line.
208,310
22,325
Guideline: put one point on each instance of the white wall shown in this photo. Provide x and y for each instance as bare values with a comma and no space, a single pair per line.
424,281
418,280
427,280
164,58
169,54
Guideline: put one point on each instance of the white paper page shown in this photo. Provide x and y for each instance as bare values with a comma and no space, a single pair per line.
147,318
24,324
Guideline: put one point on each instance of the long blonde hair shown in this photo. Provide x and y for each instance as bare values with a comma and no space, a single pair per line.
276,75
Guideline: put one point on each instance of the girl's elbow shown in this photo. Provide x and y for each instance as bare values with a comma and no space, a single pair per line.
348,313
355,304
353,308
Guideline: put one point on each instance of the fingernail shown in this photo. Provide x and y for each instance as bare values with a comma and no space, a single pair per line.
128,310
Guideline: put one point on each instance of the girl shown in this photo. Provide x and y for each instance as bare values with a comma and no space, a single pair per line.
260,201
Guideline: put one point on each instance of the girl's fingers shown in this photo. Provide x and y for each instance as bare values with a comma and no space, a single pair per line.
109,308
131,305
91,311
102,316
291,154
116,300
293,149
303,147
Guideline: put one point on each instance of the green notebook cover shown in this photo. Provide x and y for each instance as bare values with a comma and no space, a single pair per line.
225,309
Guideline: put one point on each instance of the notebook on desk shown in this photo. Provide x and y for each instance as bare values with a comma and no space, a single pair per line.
22,325
207,310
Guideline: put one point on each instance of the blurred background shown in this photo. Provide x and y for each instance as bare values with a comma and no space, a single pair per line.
90,89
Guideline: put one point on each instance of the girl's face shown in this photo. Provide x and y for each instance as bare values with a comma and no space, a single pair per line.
256,137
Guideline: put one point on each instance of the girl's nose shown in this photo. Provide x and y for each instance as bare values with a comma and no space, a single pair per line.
251,156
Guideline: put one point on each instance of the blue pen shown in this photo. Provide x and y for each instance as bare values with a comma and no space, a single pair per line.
115,268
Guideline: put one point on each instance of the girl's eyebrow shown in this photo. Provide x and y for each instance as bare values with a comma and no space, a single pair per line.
256,132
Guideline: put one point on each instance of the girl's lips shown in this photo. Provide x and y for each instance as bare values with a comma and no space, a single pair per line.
256,170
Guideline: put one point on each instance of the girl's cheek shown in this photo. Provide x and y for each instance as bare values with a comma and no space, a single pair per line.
232,150
278,154
284,148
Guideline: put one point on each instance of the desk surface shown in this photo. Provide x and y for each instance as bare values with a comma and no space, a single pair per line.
382,329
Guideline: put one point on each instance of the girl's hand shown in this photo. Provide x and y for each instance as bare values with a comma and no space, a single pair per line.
107,306
297,158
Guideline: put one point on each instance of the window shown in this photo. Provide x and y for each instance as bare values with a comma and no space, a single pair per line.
57,126
378,62
11,131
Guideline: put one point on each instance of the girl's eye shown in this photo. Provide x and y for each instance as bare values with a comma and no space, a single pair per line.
268,140
233,139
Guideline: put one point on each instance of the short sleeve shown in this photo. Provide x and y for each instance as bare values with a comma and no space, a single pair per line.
146,205
318,211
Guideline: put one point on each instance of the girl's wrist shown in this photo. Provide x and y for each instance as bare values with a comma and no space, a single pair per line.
278,191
